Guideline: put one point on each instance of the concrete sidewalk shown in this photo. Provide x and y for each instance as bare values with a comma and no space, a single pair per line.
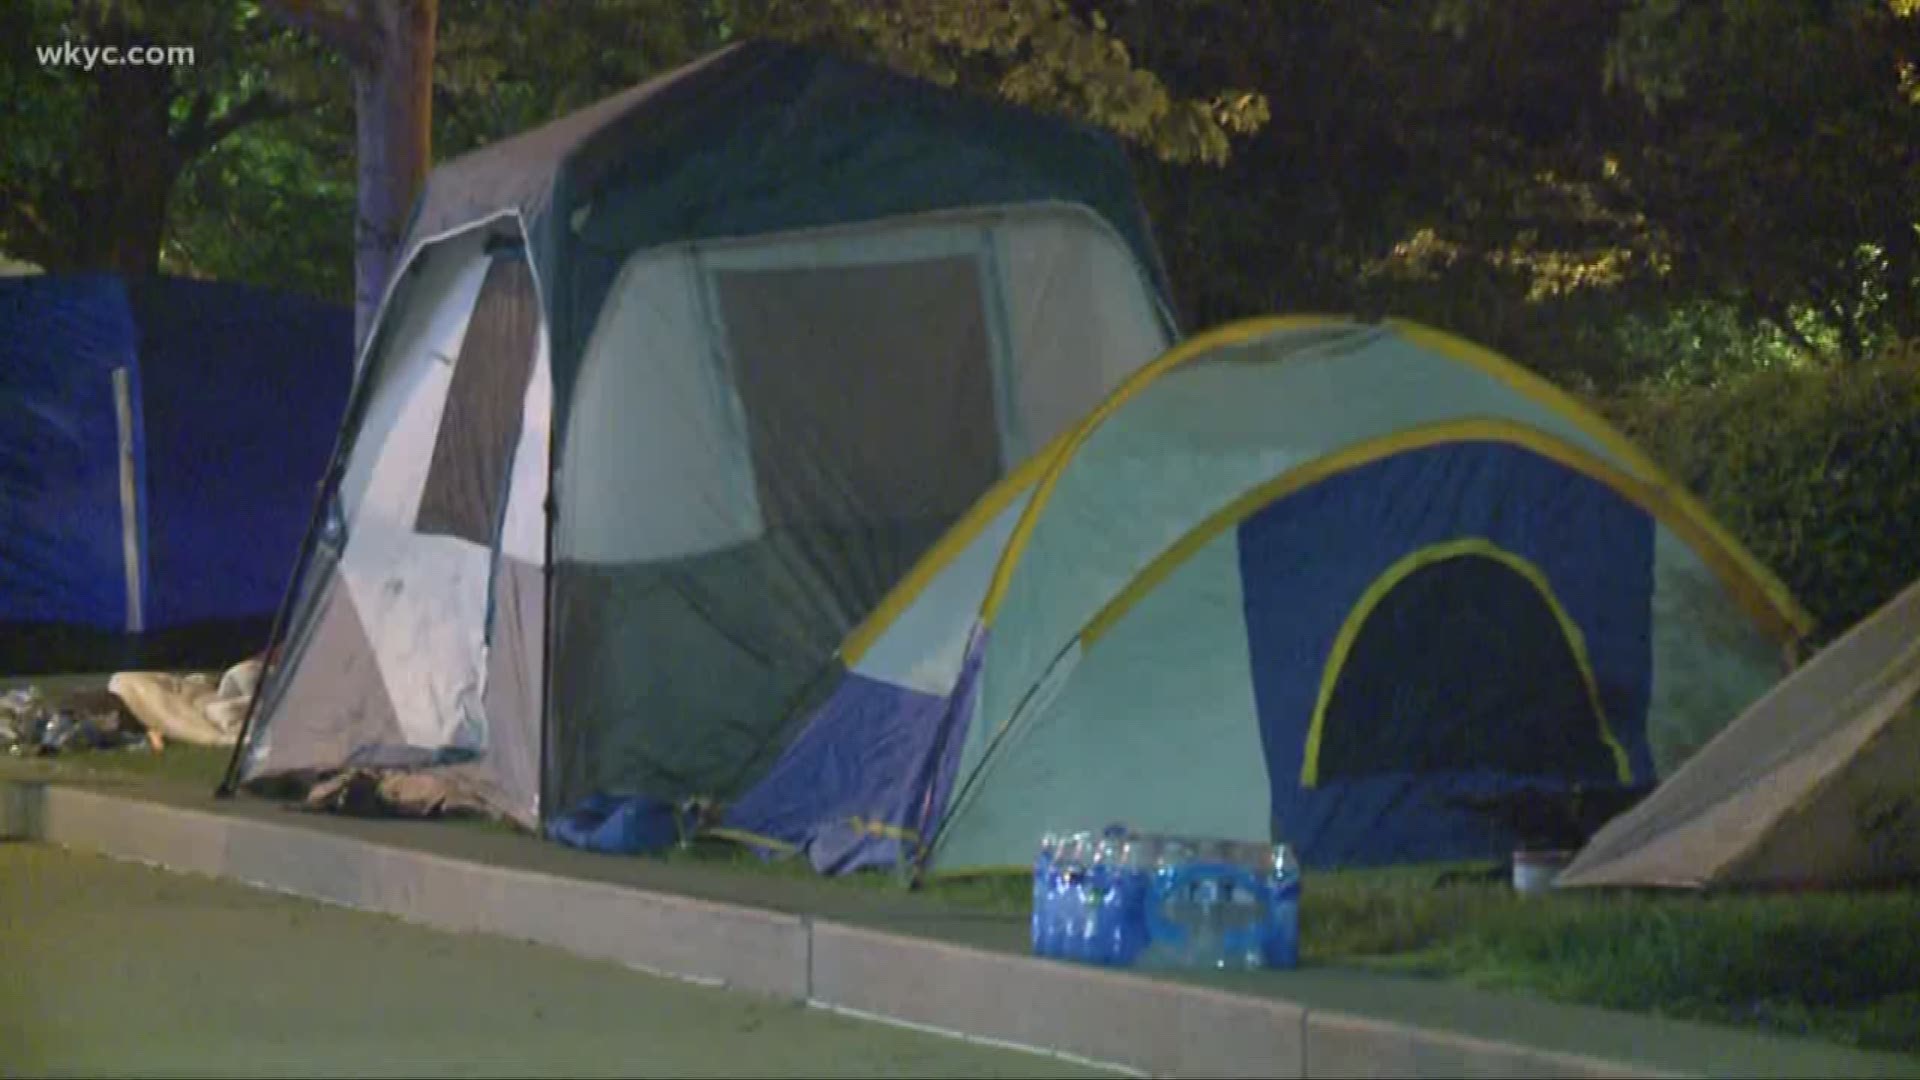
892,955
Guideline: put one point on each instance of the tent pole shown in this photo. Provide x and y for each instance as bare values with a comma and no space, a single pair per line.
229,781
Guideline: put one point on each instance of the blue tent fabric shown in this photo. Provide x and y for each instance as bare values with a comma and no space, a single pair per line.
61,554
618,825
243,397
856,763
1307,561
235,396
858,788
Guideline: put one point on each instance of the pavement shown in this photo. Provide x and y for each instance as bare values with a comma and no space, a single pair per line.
890,953
120,969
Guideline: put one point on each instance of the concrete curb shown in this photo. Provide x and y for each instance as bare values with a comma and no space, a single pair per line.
670,935
1162,1028
20,811
1346,1046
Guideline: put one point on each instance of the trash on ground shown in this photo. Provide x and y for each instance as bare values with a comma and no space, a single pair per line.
35,725
409,793
191,708
1542,819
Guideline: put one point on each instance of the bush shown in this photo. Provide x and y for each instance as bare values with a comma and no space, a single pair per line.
1816,470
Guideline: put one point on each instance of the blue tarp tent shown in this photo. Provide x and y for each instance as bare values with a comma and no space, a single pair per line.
160,441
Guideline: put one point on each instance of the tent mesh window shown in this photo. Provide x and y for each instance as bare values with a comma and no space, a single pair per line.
1462,666
868,403
883,456
466,486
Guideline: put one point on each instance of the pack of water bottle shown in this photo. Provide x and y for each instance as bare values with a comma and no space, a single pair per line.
1124,899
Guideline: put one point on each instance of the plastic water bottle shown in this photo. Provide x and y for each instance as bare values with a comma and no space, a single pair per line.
1211,905
1043,892
1070,895
1213,897
1282,946
1114,932
1171,943
1124,909
1091,943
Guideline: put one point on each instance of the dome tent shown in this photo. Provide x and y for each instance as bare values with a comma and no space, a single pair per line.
667,394
1298,578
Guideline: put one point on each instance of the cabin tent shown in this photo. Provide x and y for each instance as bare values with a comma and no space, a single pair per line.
1814,786
1298,579
668,394
160,441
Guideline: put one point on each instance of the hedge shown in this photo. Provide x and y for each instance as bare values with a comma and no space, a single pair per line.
1817,470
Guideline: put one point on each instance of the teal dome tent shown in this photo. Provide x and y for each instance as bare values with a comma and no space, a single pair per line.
1300,578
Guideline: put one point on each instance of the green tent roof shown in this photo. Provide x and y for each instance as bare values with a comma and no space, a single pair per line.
764,137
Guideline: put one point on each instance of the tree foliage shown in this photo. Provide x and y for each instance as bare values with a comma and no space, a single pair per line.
1818,470
1532,173
1588,186
271,206
1050,55
506,67
1712,201
1781,150
89,159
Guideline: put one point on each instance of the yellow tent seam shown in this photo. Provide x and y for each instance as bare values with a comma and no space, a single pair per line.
1539,390
751,839
950,546
1232,334
1710,546
879,828
1383,586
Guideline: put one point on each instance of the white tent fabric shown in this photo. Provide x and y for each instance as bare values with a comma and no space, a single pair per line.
422,599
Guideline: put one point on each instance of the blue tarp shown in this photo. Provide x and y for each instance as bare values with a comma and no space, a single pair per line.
235,395
619,825
61,558
243,397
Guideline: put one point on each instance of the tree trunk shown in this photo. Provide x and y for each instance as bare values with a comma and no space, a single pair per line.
120,224
120,221
393,104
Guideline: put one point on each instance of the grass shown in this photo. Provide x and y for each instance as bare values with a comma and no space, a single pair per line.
181,763
1839,967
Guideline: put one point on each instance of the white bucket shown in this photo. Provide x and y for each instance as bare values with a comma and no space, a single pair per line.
1535,871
